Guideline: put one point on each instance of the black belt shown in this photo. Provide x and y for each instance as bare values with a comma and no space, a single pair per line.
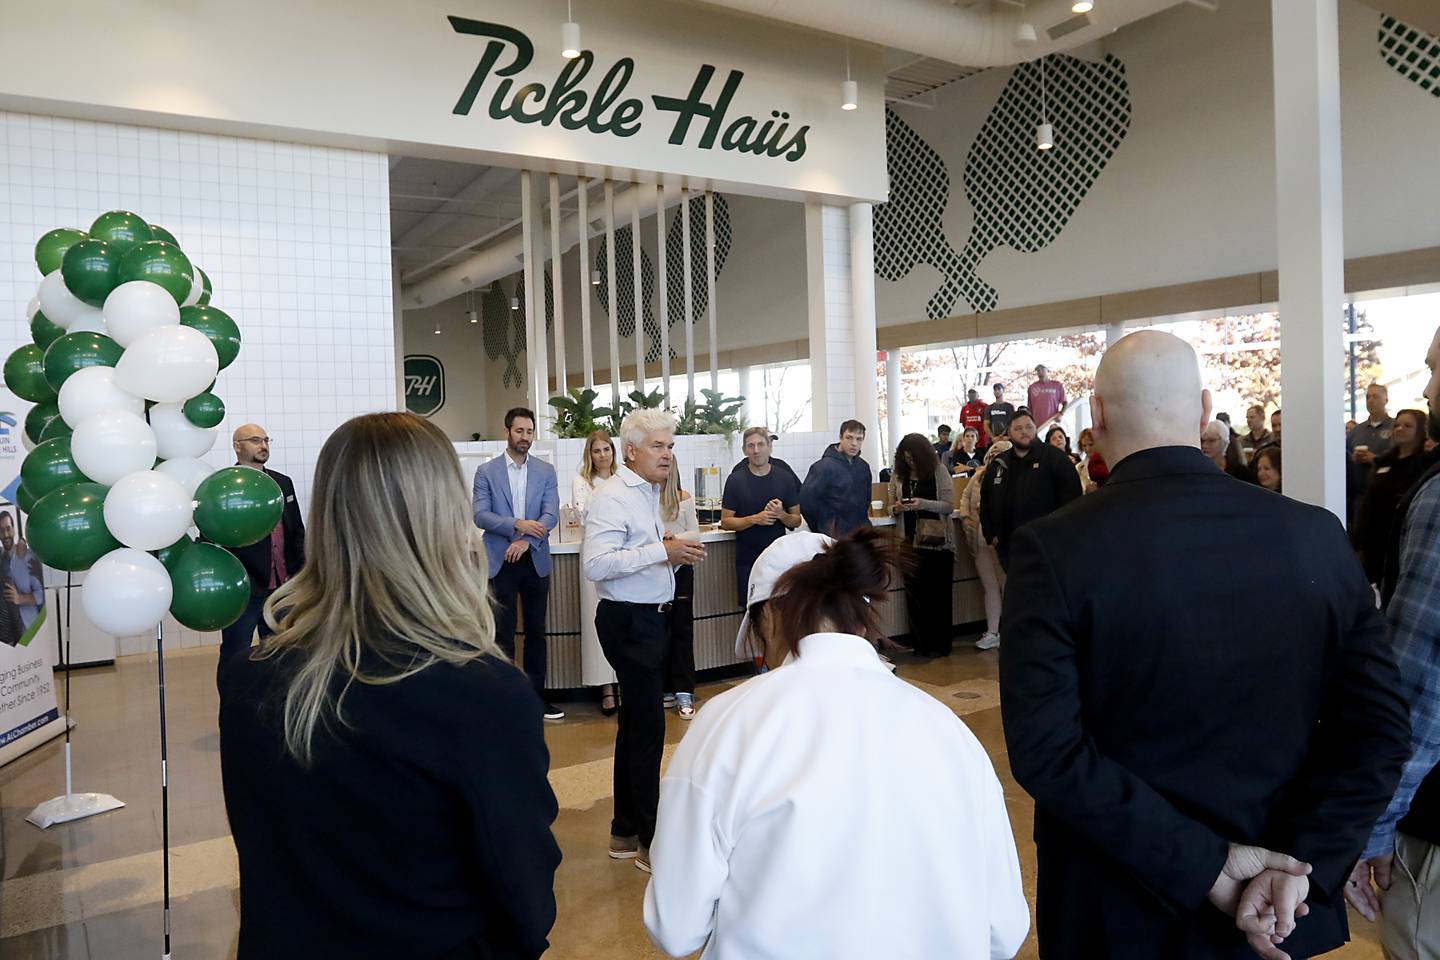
657,607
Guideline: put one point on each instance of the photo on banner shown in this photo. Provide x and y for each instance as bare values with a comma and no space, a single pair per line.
29,713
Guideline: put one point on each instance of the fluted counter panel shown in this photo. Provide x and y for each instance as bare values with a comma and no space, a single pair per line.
717,608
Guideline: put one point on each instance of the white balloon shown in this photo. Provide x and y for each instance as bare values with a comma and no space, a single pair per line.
89,391
33,308
168,364
138,307
91,321
126,592
26,442
175,436
148,510
188,471
197,290
112,444
59,304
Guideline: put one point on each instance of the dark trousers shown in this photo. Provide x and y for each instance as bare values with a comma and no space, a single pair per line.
635,640
519,579
235,639
928,599
680,621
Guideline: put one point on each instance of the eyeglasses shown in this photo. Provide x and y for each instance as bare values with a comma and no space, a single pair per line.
256,440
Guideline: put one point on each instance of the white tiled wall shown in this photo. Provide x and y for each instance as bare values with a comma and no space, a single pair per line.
296,240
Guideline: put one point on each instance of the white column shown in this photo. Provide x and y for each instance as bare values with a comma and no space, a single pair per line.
528,229
663,290
862,306
689,278
815,303
1305,36
639,298
557,282
587,292
1113,332
747,406
610,292
710,281
894,391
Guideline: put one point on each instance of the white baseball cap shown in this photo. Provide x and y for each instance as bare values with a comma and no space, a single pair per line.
773,563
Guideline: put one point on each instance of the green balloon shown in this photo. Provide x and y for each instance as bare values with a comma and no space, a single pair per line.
39,418
211,587
160,233
24,499
50,249
55,429
76,351
161,263
171,554
25,374
44,331
122,229
205,286
50,466
91,270
237,506
67,527
217,325
204,410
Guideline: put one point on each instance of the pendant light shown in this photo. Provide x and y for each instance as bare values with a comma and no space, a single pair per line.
1044,133
594,278
569,34
850,90
470,307
437,326
1024,30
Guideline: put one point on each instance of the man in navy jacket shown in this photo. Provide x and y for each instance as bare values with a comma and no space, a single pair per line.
835,497
517,504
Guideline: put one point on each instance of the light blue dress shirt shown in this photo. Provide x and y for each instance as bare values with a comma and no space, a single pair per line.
622,552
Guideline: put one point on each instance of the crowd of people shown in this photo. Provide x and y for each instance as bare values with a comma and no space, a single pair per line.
1200,791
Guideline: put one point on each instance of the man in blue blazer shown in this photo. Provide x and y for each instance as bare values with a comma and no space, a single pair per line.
517,504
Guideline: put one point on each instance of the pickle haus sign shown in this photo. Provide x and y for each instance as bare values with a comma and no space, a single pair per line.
699,116
676,92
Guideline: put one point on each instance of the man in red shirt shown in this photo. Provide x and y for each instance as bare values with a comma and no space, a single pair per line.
1046,397
972,415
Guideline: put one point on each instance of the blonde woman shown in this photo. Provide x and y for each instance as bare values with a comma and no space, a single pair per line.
597,464
677,511
987,563
384,765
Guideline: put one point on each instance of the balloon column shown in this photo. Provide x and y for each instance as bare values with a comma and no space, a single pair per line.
124,354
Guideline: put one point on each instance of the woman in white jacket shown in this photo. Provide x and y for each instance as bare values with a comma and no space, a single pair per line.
828,810
597,464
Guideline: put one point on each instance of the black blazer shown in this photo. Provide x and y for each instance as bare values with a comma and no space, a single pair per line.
421,830
1151,731
256,557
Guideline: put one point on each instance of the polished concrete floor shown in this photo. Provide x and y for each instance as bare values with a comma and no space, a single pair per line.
92,889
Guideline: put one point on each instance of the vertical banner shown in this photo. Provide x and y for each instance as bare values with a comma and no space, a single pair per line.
29,714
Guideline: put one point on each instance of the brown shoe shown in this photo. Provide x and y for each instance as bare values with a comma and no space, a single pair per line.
642,859
624,848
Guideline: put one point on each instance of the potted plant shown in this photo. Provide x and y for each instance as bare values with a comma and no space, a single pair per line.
576,414
715,414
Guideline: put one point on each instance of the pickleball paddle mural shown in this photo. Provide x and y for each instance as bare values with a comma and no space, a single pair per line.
674,265
1022,197
1412,53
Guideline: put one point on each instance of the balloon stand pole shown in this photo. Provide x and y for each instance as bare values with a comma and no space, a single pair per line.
71,806
164,785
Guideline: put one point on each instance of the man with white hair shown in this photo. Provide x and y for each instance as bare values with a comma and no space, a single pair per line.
631,560
1168,752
